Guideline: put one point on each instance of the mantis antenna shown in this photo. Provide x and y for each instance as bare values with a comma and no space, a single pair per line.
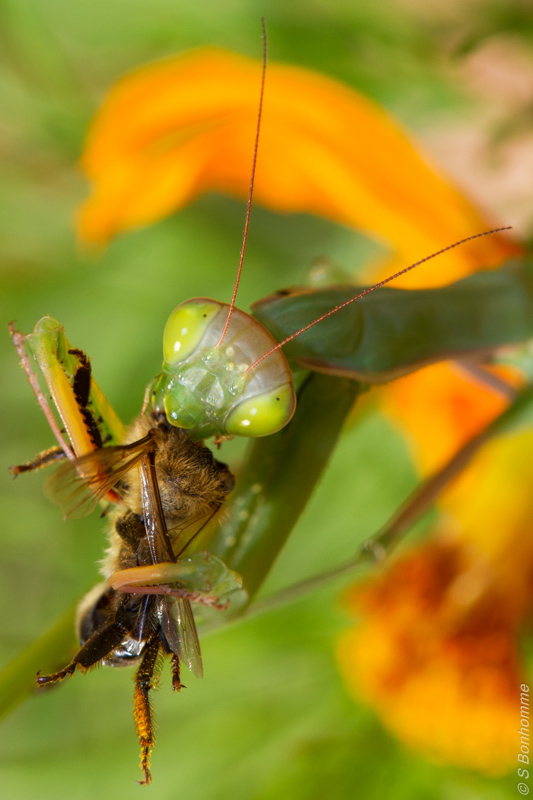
251,189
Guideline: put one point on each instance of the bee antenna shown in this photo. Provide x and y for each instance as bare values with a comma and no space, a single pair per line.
367,291
251,189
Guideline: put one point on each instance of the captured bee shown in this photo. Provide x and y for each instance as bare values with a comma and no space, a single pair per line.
167,483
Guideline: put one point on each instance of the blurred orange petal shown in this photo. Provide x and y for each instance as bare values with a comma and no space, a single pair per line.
435,650
443,676
442,407
490,505
174,129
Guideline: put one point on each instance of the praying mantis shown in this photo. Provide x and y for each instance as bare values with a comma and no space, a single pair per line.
224,375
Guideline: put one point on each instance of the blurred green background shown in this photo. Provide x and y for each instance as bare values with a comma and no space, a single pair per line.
271,718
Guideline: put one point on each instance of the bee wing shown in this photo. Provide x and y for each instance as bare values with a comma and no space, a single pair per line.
154,519
176,615
78,486
183,534
179,628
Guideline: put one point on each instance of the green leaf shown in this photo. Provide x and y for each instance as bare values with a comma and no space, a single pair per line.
392,332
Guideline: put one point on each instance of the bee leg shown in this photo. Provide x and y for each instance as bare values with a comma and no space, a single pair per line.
177,685
131,530
142,709
41,460
95,649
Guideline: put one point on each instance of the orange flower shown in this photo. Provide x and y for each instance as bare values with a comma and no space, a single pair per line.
442,406
443,679
435,651
176,128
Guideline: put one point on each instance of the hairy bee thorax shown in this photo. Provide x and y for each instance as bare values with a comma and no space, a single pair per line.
191,482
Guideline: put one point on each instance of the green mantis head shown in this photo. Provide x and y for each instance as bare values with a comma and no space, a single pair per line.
205,387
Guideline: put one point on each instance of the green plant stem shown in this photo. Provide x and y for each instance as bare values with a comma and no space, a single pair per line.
52,649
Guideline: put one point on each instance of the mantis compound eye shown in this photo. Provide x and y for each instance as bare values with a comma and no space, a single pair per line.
185,329
263,414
